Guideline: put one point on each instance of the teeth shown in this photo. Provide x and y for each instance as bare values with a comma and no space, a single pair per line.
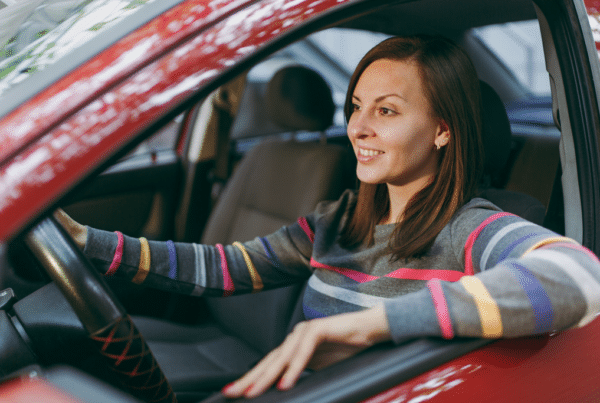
369,153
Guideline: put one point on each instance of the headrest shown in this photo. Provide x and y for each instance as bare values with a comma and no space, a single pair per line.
296,98
299,99
496,133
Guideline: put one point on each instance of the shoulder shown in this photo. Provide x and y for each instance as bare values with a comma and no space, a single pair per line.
473,216
486,234
333,214
476,210
479,213
342,206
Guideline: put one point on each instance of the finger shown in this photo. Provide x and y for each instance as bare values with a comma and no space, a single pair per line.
77,231
241,386
300,359
278,366
62,217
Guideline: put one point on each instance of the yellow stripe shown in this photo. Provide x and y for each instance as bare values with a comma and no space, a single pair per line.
489,313
144,267
257,283
548,241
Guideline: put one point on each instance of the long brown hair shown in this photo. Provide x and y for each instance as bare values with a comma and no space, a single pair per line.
452,88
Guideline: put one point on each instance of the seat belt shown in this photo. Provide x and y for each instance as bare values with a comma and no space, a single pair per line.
208,146
225,105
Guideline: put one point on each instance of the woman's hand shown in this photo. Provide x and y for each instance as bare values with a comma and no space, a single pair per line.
77,231
314,344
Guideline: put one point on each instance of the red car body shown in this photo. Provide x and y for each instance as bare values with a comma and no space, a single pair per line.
57,137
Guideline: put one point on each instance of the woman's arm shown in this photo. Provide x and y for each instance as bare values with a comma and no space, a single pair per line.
551,287
520,279
188,268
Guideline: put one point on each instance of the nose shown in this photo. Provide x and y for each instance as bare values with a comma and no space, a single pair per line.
360,125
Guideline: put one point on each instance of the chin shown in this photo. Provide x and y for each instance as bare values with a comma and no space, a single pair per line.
369,180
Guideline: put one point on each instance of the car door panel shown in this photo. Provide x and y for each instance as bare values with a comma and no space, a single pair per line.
136,196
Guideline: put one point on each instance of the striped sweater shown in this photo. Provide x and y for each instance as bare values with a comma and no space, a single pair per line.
488,274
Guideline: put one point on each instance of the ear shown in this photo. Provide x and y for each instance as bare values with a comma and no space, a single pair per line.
442,136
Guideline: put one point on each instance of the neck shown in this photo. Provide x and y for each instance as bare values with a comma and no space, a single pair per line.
400,196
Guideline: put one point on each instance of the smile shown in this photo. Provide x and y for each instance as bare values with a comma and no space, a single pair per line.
369,153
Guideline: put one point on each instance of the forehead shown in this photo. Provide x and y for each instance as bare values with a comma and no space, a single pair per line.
387,76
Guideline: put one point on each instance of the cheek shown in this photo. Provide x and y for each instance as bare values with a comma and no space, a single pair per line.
409,138
423,135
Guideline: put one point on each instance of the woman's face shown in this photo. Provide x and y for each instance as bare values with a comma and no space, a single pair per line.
392,127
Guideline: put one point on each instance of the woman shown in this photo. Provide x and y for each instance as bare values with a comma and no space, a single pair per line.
412,254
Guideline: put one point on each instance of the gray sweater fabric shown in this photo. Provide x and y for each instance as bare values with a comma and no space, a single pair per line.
488,274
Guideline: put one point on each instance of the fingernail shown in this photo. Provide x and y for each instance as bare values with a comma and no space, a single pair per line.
281,385
227,387
248,389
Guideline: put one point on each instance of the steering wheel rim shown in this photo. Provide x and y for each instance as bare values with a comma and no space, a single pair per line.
104,318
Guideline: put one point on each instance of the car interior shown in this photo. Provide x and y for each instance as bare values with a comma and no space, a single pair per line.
254,155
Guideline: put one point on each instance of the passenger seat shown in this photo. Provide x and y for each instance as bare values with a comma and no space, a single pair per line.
274,184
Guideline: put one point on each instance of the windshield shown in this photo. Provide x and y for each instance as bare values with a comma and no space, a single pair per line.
37,33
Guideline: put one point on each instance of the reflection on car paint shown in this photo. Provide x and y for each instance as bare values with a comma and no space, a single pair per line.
112,120
593,12
427,386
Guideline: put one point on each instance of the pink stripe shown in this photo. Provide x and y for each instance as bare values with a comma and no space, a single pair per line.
473,237
419,274
441,308
353,274
116,262
309,232
227,281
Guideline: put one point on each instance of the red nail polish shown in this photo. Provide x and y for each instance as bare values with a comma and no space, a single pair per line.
227,387
280,385
248,389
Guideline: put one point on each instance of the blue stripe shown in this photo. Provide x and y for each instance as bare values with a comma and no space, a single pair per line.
512,246
310,313
269,251
172,260
540,302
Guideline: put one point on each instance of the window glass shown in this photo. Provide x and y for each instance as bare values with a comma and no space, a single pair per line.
518,46
35,34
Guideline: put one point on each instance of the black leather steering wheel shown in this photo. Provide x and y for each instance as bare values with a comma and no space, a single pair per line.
101,314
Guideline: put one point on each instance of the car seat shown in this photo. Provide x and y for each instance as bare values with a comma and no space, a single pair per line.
274,184
496,136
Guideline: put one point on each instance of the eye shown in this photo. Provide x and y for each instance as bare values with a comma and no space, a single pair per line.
387,111
355,107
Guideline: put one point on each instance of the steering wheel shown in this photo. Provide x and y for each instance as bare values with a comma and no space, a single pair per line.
108,325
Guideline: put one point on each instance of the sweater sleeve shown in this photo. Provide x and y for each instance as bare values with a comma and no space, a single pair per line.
276,260
519,279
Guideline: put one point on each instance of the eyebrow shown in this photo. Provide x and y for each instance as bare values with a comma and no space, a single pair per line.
382,97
